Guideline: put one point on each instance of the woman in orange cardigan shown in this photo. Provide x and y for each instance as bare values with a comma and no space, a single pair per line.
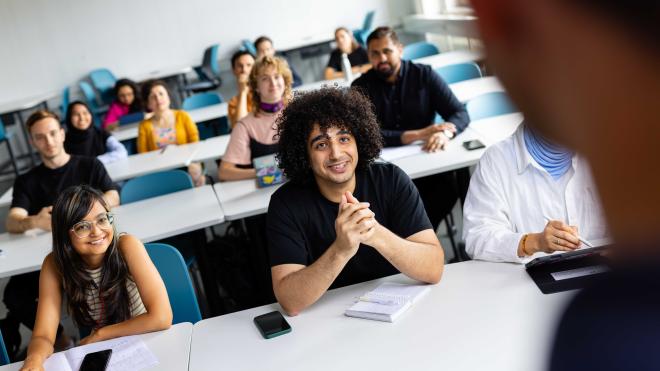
166,126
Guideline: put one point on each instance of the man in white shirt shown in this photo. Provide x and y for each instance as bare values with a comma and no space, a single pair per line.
529,196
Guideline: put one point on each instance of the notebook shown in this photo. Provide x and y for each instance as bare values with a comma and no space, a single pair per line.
387,302
268,173
128,353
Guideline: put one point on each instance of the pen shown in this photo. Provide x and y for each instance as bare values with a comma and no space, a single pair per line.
377,301
583,240
163,150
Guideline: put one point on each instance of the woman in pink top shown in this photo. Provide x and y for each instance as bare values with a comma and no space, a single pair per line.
127,100
254,135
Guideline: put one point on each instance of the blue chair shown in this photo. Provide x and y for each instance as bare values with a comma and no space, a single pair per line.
174,273
90,98
362,33
103,81
489,105
419,50
4,357
155,184
248,46
208,72
210,128
66,99
4,137
459,72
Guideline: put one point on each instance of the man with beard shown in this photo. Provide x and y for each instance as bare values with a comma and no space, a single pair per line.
342,219
407,97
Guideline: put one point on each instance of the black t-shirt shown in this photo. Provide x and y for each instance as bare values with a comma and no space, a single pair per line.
357,58
301,222
39,187
412,101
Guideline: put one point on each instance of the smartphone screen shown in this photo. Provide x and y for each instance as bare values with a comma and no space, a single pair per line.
97,361
272,324
473,144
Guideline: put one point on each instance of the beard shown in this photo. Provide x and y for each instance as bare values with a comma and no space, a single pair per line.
385,73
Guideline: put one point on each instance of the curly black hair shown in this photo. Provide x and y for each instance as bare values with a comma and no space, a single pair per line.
328,107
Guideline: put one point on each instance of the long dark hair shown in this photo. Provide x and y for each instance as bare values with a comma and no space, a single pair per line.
137,105
71,207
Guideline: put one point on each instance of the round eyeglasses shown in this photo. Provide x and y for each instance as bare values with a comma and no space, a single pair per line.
83,228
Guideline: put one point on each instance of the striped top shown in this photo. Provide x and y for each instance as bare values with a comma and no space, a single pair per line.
95,305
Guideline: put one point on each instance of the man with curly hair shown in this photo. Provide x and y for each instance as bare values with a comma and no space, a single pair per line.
407,96
341,218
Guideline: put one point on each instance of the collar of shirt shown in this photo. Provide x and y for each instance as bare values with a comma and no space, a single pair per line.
524,159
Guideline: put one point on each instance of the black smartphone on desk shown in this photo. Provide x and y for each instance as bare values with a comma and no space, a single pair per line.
272,324
97,361
471,145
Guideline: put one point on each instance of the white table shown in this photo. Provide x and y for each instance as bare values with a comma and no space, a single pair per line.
130,131
171,157
494,129
5,199
341,83
171,347
27,102
481,316
162,73
468,89
150,220
211,148
241,199
450,57
462,25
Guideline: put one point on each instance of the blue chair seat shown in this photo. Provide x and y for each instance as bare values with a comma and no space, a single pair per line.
419,50
489,105
459,72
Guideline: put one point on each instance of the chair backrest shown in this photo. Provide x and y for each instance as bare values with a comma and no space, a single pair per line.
3,135
210,61
201,100
104,82
174,273
368,21
155,184
248,46
419,50
490,104
89,94
4,357
459,72
66,99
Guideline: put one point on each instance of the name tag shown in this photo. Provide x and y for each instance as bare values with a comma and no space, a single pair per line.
579,272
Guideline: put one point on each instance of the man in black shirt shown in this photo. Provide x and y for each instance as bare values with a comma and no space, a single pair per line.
33,196
264,46
407,97
553,56
342,219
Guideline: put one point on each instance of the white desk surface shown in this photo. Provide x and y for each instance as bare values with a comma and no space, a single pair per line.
322,84
27,102
130,131
455,156
494,129
211,148
306,40
481,316
149,220
173,157
170,215
468,89
171,347
242,198
450,57
162,73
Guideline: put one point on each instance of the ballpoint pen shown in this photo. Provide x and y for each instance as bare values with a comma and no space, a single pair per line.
377,301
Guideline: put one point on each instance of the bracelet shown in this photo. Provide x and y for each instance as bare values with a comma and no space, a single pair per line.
524,242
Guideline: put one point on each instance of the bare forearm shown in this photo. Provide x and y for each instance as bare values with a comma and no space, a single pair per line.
242,106
39,350
418,260
20,224
111,198
303,288
147,322
235,173
410,136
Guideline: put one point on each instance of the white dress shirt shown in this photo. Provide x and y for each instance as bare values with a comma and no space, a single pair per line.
510,195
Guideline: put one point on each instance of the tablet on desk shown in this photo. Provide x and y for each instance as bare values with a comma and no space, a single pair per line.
568,271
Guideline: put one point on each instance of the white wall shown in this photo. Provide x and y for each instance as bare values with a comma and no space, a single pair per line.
48,44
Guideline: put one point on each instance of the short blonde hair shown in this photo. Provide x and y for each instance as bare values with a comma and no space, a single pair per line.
282,67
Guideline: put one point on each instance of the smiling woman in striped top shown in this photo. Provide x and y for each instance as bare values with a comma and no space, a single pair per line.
109,282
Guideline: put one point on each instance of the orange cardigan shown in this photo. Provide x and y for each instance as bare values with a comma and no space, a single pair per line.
184,127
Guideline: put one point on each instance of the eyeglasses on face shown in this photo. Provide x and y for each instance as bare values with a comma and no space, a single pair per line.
83,228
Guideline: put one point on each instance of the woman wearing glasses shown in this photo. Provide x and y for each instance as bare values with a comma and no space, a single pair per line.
109,282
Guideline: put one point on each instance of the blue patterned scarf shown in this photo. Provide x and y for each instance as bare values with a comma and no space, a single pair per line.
556,160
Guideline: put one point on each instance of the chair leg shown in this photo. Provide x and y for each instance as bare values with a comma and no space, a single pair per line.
450,233
11,156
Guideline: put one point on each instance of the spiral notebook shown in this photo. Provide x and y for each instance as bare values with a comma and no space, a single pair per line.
387,302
